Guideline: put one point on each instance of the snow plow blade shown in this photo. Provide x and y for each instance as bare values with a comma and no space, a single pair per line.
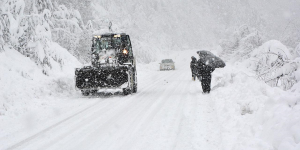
90,78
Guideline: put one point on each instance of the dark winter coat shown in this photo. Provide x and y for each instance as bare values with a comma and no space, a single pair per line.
193,66
204,75
204,70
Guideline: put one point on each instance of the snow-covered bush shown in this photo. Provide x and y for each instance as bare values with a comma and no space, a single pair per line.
273,64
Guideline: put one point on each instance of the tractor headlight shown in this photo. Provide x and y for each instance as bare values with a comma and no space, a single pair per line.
117,36
125,51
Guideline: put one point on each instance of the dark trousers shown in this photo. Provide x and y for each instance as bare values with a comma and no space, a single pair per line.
194,72
205,82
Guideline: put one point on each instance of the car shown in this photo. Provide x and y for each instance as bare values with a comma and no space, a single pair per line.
167,64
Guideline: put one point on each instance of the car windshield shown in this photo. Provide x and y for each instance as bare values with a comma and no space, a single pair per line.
167,61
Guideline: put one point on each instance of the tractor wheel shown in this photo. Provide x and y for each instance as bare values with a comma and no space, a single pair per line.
134,90
85,92
126,91
94,92
130,89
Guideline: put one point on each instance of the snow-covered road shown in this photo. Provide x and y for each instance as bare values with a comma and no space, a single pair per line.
168,112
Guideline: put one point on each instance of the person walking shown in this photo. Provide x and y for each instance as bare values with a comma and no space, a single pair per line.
204,75
193,66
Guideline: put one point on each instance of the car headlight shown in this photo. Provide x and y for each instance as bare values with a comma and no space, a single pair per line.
125,51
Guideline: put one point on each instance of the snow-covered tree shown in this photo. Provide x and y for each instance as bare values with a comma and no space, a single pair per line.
248,43
67,28
84,47
41,5
4,30
32,34
83,6
241,42
12,13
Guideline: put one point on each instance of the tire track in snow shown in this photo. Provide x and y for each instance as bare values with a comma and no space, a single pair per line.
169,105
49,128
149,117
134,113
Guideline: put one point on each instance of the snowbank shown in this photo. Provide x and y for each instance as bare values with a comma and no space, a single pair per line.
22,81
259,117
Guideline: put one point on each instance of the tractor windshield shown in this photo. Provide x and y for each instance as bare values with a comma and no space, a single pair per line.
105,43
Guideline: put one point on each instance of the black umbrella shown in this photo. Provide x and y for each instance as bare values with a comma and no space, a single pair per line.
210,59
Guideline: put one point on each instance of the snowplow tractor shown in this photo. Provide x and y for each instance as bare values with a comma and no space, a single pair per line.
113,66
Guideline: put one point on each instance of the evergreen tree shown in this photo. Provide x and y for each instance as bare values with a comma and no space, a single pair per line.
83,6
67,28
84,48
4,30
41,5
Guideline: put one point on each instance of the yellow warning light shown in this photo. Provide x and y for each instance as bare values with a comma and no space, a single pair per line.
117,35
125,51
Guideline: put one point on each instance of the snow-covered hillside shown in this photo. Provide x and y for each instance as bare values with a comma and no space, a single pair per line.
22,80
29,97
